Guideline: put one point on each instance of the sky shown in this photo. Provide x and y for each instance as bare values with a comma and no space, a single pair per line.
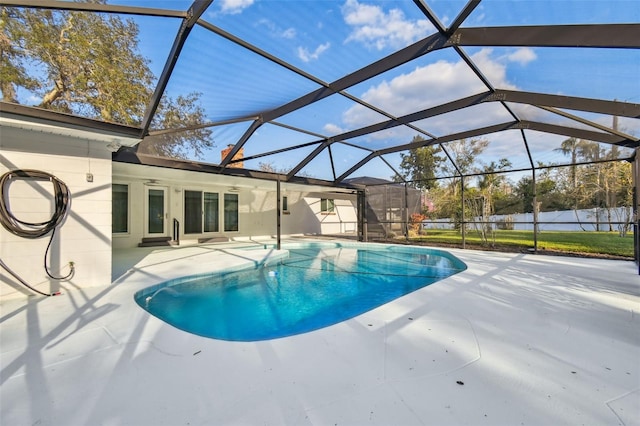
330,39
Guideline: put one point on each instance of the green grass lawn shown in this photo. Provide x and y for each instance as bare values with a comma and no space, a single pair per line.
603,243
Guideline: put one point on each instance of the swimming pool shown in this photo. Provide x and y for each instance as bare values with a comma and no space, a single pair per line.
317,285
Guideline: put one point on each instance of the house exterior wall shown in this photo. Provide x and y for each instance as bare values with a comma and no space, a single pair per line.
256,202
343,220
84,237
257,215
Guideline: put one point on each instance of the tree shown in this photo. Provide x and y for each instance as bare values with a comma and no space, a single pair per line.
624,196
603,186
13,72
448,196
271,167
585,151
464,153
482,205
184,111
548,195
491,179
89,64
419,165
615,189
570,147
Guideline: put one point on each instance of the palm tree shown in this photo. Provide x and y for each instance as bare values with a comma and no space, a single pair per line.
570,146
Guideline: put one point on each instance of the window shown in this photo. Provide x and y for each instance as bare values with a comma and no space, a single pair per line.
285,204
211,215
119,208
327,205
192,212
200,212
230,212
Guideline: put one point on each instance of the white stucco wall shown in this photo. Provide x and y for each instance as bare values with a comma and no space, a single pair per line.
85,235
257,205
256,199
342,221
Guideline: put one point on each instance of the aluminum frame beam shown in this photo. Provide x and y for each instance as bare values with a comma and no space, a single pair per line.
420,48
426,10
11,110
94,7
584,104
578,133
195,11
238,145
589,123
129,156
521,125
524,125
530,98
623,36
462,16
622,109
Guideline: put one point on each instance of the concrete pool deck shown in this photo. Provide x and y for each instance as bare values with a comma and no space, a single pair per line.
515,339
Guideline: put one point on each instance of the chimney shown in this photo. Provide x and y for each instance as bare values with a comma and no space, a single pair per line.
239,155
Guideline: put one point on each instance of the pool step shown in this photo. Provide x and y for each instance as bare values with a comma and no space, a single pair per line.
157,242
213,240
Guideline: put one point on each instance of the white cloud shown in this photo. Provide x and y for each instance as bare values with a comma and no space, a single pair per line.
233,7
266,23
428,86
378,29
333,129
306,56
289,33
431,85
522,56
34,100
276,31
494,70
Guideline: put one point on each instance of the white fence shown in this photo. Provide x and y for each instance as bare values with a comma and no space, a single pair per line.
584,220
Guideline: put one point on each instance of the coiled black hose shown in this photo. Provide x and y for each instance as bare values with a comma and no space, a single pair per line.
34,230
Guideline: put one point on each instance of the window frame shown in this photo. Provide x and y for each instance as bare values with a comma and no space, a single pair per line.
202,214
327,206
227,213
128,209
189,216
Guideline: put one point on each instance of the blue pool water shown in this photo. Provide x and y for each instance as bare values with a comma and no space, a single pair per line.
316,286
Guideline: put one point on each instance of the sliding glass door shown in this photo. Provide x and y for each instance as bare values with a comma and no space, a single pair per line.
201,212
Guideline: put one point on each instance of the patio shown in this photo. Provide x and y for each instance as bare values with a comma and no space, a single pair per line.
514,339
